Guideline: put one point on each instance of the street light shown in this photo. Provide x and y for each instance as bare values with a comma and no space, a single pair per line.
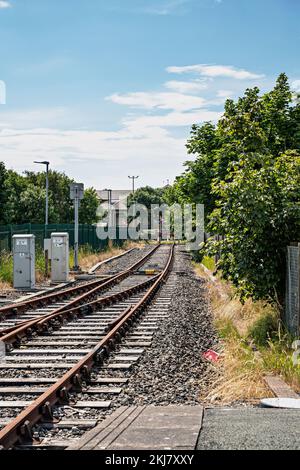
133,178
47,189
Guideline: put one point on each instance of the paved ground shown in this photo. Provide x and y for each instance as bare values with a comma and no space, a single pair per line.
250,428
146,428
188,428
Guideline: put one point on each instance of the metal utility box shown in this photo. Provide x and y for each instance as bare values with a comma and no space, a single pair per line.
24,261
59,257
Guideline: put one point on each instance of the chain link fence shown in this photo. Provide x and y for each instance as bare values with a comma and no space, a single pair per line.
292,301
87,235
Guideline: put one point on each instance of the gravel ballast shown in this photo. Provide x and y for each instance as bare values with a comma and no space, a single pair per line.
173,370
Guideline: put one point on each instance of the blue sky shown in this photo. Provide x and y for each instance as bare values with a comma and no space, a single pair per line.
109,88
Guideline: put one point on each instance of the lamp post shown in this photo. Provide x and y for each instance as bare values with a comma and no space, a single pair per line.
47,190
133,178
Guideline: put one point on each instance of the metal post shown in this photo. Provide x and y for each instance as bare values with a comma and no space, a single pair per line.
76,234
76,194
47,194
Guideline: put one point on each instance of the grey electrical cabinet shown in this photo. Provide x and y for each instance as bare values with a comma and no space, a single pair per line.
59,257
24,261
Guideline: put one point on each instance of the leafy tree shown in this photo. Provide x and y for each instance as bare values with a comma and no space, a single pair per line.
33,205
59,194
147,196
258,212
22,198
88,207
246,172
15,185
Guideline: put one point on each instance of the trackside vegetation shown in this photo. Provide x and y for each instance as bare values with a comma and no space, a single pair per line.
246,171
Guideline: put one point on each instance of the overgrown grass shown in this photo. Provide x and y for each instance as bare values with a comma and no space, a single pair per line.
265,329
253,342
6,269
209,263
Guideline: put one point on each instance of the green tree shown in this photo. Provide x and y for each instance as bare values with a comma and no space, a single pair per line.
32,205
246,172
2,192
59,194
15,185
258,212
23,198
147,196
88,207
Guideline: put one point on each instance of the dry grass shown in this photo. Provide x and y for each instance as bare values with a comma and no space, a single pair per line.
242,372
87,259
242,368
5,286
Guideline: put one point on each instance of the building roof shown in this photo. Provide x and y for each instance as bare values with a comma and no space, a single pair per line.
116,194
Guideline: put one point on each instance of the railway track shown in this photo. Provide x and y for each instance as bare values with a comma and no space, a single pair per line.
70,360
18,314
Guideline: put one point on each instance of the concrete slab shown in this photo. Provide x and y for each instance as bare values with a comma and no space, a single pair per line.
250,429
280,388
146,427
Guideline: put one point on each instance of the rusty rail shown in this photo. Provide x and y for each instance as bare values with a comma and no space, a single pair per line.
41,324
44,300
18,331
20,428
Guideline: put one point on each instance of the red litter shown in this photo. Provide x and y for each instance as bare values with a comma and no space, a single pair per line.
211,355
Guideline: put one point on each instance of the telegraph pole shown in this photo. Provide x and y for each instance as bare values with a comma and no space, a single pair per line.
133,178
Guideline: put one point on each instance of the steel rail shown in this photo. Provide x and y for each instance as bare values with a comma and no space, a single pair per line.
20,428
44,300
41,324
21,328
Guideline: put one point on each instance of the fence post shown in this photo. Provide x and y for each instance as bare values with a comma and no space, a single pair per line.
292,297
10,238
298,325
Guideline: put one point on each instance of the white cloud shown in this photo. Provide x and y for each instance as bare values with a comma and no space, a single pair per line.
159,101
214,71
173,119
90,156
186,87
225,93
149,138
4,4
296,86
30,118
